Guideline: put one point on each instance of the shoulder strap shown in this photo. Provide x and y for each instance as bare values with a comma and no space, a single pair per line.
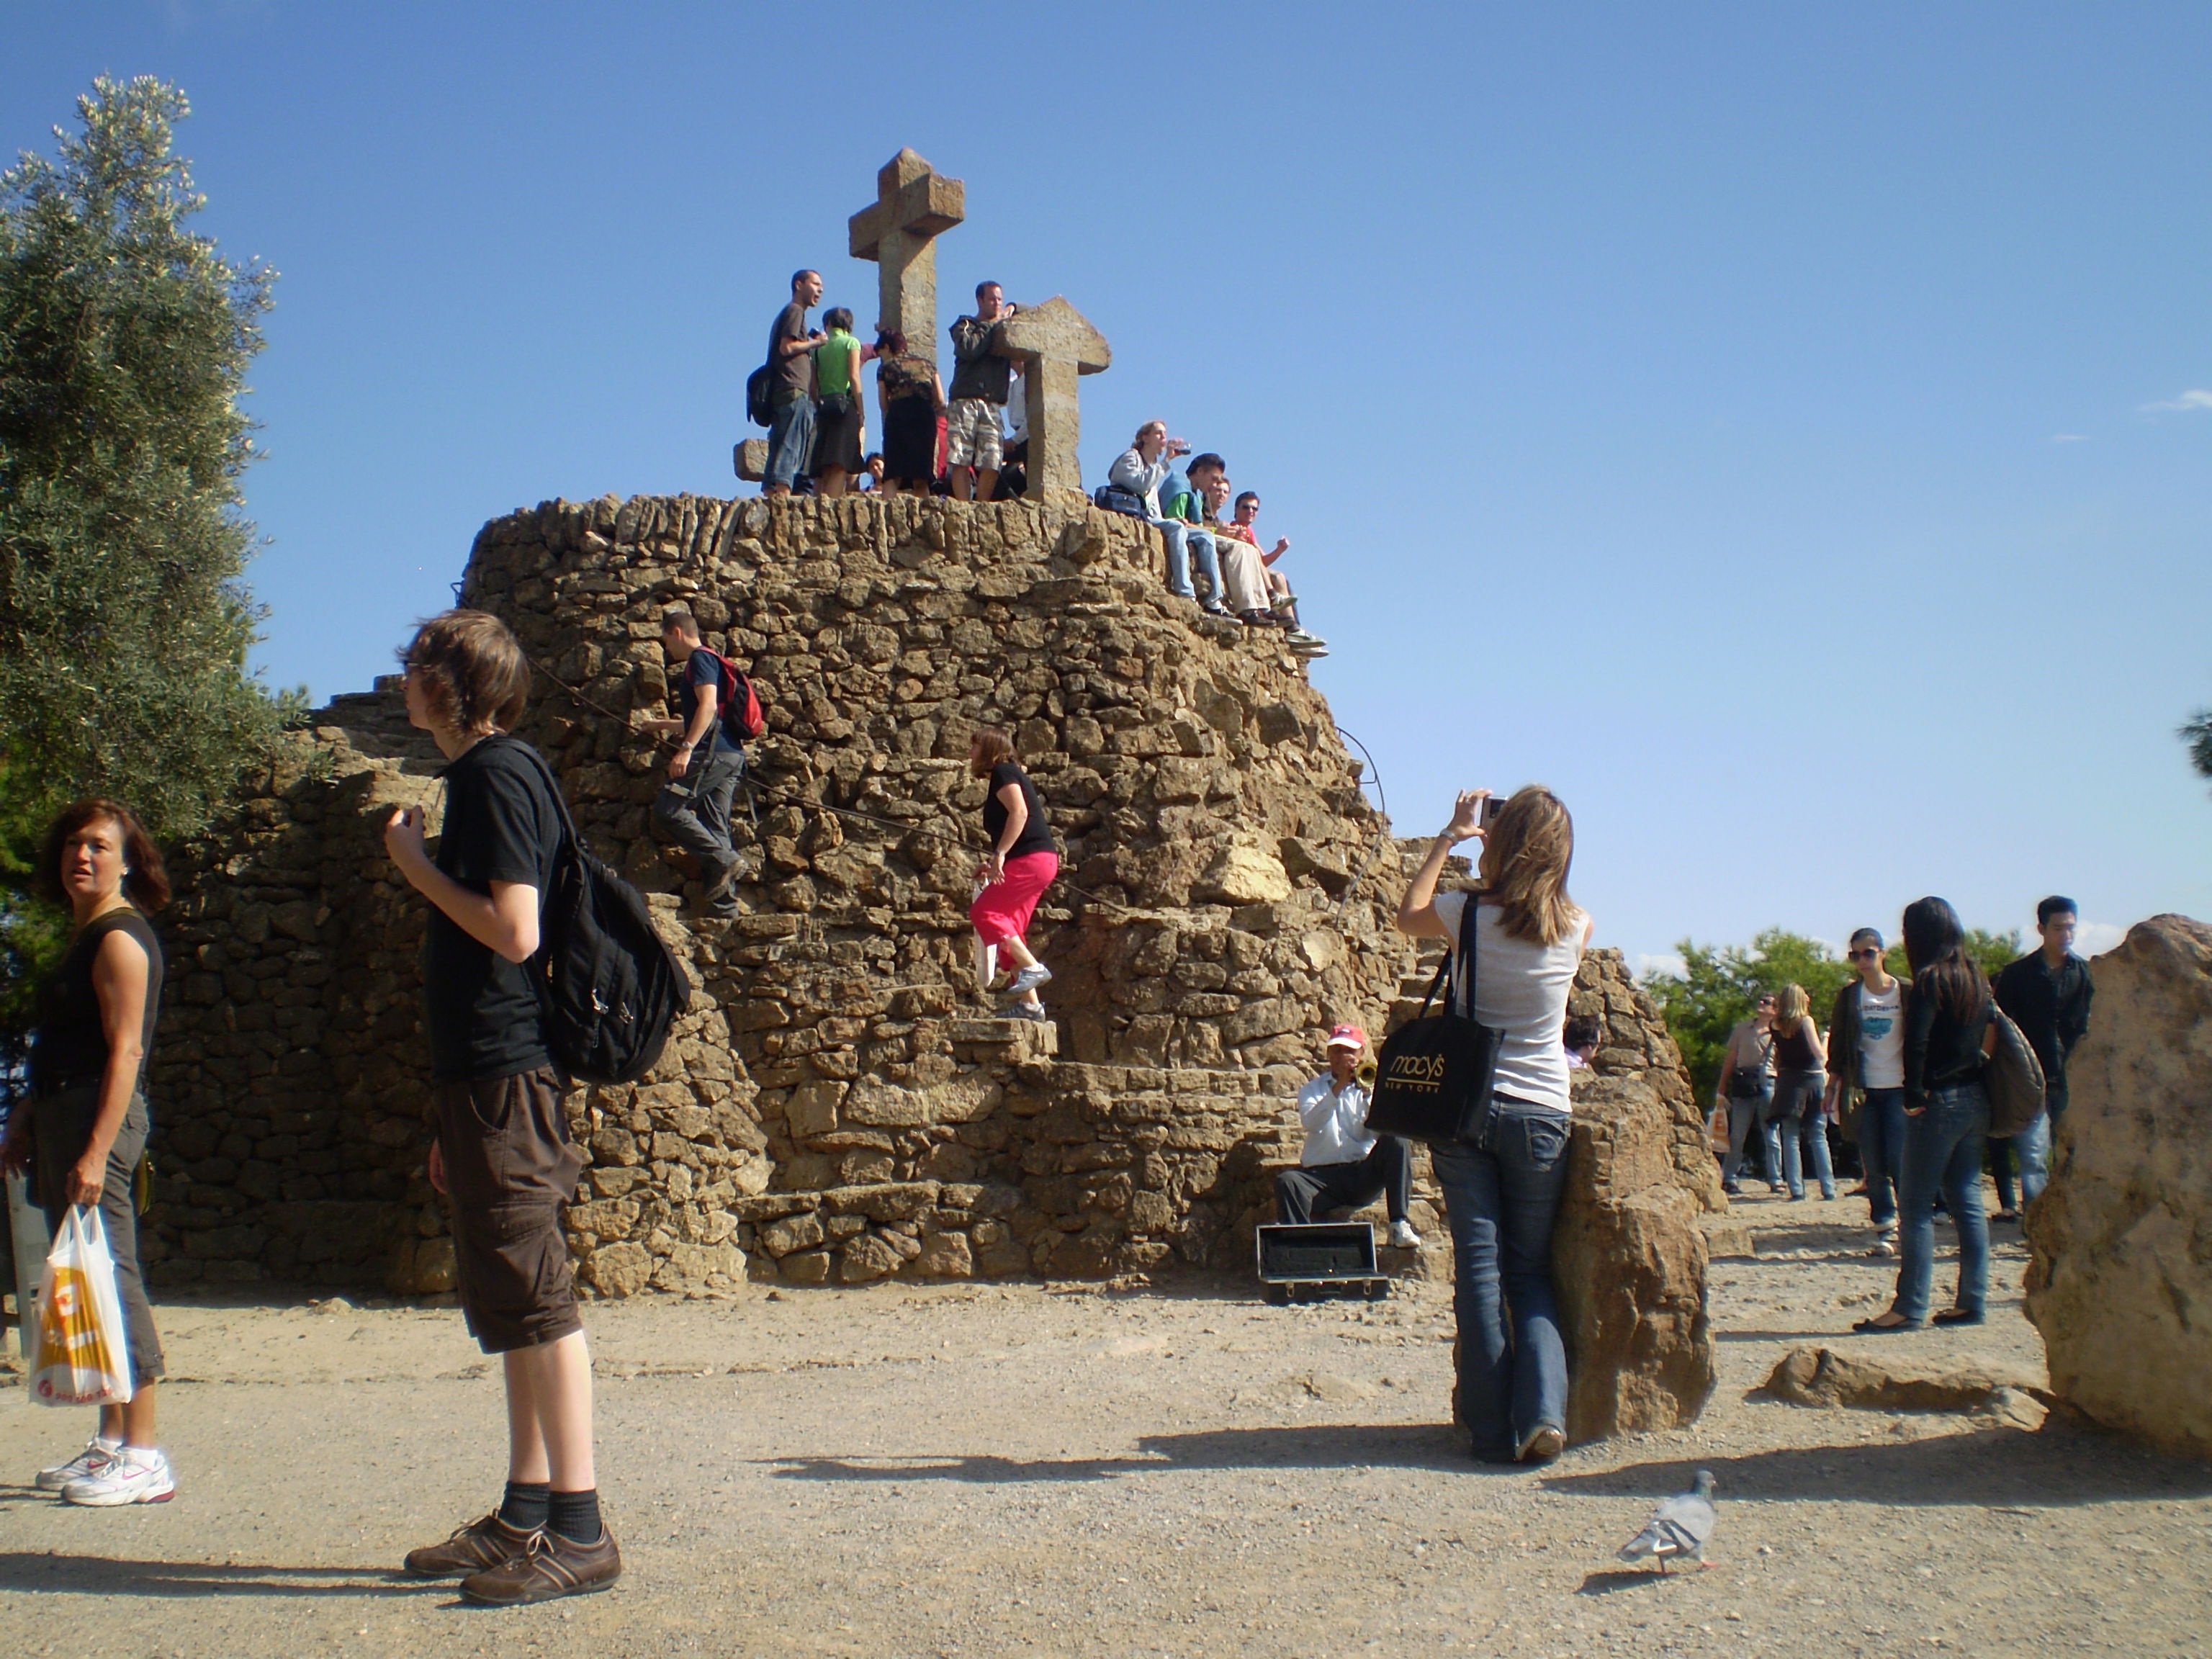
545,768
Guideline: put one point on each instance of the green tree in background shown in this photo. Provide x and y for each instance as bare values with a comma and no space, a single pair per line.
1721,984
124,340
2198,734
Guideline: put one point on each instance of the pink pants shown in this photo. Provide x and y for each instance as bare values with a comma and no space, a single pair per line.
1002,910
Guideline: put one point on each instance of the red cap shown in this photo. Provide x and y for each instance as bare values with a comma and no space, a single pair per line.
1348,1036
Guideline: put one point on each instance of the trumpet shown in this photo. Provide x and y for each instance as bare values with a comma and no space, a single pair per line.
1368,1073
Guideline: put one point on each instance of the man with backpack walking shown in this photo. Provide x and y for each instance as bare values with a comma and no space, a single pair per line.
712,705
502,1156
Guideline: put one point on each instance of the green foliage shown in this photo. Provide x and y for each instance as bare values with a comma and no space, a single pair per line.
1721,984
2198,734
124,340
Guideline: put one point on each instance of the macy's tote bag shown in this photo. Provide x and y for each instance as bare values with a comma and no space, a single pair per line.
1434,1075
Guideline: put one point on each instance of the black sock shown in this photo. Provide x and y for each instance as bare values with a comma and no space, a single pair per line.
524,1506
575,1516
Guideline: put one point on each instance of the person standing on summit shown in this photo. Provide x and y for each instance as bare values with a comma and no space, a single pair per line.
2047,994
790,386
974,446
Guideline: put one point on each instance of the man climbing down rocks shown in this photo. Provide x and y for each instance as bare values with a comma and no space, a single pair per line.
694,805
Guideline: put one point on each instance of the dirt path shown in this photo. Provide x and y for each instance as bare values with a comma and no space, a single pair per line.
987,1469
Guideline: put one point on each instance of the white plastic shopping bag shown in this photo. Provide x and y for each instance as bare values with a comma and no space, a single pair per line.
82,1358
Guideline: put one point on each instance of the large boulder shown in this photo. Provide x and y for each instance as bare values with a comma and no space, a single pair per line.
2120,1281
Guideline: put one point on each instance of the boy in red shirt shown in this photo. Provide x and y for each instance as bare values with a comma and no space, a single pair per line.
1278,586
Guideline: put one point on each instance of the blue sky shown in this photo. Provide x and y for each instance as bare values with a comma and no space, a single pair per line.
1767,425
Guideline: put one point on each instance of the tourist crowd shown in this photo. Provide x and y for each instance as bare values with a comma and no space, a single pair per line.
971,441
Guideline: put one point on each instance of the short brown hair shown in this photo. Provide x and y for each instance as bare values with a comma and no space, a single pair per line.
147,882
473,669
1525,860
989,748
679,617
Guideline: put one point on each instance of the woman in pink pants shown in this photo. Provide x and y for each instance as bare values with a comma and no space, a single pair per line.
1021,866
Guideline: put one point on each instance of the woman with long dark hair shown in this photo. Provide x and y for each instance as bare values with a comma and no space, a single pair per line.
910,399
84,1127
1946,1120
1502,1196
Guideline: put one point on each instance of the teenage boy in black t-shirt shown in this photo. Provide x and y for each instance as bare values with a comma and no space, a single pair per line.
502,1156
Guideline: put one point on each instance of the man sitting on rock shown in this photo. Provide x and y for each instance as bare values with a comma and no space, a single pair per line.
1343,1167
1280,599
1243,578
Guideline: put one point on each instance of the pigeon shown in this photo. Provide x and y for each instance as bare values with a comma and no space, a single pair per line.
1681,1526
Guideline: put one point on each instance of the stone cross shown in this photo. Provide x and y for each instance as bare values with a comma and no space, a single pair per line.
1055,342
914,205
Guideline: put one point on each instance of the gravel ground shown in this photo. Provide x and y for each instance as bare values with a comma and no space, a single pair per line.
991,1469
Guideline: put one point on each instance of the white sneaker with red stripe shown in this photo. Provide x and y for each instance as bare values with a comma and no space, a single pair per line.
135,1474
98,1452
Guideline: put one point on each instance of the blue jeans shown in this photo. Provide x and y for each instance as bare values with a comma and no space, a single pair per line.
1186,542
1796,1127
1501,1202
2029,1152
1882,1151
1943,1153
790,439
1744,1115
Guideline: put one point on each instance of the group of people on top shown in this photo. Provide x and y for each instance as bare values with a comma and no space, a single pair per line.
1898,1072
970,442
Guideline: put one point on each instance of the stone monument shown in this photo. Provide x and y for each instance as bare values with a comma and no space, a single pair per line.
915,204
1055,342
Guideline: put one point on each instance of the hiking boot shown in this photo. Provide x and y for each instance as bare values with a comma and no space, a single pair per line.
97,1454
135,1474
489,1542
723,879
549,1566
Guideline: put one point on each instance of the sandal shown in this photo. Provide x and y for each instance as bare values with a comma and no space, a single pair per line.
1959,1317
1875,1326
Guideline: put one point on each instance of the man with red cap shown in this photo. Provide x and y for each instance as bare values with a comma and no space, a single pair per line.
1344,1167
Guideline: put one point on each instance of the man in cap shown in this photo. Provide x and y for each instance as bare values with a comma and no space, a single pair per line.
1343,1166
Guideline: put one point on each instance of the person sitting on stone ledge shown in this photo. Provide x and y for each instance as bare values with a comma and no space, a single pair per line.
1133,485
1181,502
974,448
1343,1167
1280,599
1243,578
1021,864
871,473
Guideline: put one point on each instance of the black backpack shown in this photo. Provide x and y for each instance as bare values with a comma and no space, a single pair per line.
610,986
760,389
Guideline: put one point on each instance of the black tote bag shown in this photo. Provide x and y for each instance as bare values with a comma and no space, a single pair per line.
1434,1078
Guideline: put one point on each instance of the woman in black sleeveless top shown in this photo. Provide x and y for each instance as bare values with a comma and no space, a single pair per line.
84,1127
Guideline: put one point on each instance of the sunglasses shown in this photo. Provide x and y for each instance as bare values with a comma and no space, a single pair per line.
1857,956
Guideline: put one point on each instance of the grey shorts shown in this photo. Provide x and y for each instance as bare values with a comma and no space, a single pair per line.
61,1126
971,434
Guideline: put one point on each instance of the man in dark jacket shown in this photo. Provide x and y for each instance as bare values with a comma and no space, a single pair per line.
973,445
2047,993
1866,1055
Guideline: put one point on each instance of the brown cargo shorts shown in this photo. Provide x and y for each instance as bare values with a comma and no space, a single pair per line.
509,1168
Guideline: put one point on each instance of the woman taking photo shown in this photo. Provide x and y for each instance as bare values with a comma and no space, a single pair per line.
910,398
841,423
1021,864
84,1126
1946,1120
1797,1125
1501,1196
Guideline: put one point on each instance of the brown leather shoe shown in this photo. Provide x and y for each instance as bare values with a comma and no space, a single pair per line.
549,1566
480,1544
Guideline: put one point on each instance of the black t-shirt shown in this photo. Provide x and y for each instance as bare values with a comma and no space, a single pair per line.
69,1046
1036,835
701,668
501,824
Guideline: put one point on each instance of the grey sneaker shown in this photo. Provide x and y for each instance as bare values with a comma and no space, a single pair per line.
1028,1011
97,1454
1029,978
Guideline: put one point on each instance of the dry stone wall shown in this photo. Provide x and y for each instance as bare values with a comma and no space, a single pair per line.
838,1105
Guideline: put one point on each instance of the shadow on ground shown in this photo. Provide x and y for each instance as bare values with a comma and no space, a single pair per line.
1322,1446
98,1575
2061,1465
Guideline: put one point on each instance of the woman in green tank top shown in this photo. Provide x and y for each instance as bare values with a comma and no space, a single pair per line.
840,424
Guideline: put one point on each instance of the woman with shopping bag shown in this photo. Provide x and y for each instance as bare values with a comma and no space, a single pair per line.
84,1127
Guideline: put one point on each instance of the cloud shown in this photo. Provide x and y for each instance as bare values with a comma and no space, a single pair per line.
1666,962
2187,402
2094,938
2070,437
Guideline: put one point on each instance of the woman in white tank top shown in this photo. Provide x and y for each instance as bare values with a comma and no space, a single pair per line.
1503,1195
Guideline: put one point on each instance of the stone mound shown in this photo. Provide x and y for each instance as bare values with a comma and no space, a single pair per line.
2119,1280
